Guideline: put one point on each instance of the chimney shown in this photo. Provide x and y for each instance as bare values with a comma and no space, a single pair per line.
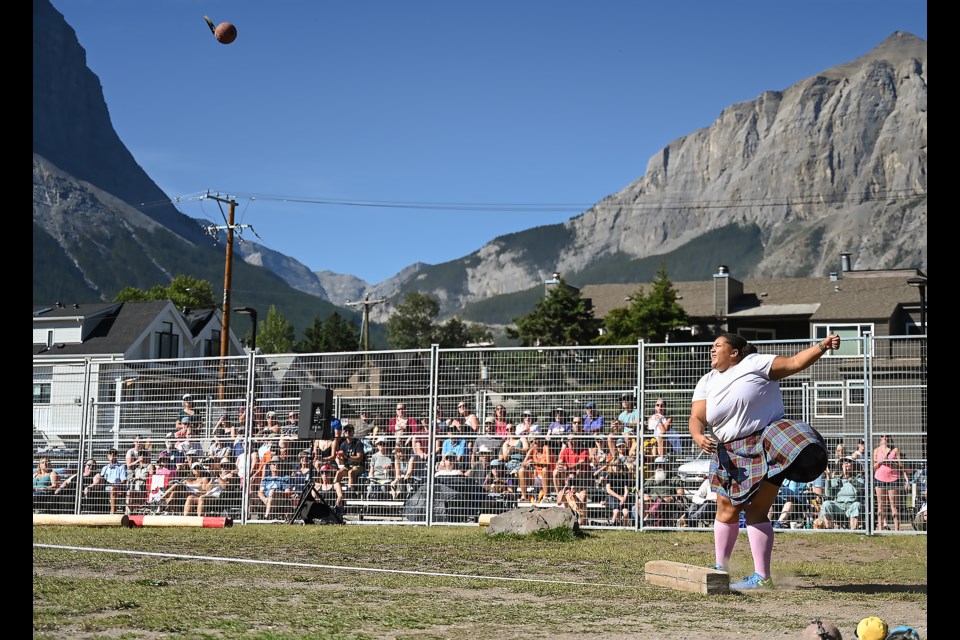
726,291
845,261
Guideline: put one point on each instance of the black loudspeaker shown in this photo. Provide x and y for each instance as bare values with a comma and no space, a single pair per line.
313,509
316,406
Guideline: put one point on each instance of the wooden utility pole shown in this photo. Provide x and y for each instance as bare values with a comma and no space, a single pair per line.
227,277
365,329
365,334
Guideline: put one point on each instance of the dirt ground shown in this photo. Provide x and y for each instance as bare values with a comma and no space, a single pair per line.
495,610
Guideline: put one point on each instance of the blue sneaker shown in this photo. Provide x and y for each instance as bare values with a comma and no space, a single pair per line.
717,567
756,581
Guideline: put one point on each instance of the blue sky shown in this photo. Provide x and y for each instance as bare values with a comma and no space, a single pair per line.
462,121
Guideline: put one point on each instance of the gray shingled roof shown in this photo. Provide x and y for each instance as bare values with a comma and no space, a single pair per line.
113,335
856,296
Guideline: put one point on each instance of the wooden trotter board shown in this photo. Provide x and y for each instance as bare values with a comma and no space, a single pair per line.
686,577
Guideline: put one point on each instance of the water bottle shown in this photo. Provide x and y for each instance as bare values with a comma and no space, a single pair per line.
808,523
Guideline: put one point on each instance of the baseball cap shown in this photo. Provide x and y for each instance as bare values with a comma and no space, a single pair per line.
196,465
626,396
621,441
496,463
527,413
187,397
590,405
325,467
185,420
483,449
846,459
559,410
271,413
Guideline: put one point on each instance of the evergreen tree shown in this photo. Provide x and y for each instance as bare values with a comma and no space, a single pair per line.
333,334
275,334
561,318
647,317
183,291
411,325
455,333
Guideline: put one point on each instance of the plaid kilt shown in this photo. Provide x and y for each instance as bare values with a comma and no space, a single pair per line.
740,465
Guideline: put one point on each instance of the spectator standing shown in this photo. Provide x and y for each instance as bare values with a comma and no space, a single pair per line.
592,423
661,427
844,496
887,472
114,474
860,454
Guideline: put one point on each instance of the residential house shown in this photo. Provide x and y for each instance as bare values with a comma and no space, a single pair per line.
123,335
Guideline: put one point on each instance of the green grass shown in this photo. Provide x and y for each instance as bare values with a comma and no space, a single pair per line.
96,594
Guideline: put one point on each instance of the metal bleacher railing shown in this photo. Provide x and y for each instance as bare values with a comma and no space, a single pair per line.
85,407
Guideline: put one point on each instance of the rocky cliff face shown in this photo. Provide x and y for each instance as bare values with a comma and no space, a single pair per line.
834,163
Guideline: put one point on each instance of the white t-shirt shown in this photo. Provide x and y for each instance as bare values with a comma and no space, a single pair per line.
741,400
657,420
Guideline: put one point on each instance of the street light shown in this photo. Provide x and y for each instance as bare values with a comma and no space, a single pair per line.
920,282
250,311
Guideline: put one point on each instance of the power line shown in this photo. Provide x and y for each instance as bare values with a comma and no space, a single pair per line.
654,202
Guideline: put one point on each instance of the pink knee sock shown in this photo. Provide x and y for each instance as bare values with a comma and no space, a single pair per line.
761,546
724,538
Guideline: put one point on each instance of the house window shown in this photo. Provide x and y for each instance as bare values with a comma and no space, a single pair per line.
753,335
211,347
828,399
913,327
850,345
42,381
41,393
855,393
168,343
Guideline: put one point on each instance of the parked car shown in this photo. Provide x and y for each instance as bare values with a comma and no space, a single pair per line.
694,471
